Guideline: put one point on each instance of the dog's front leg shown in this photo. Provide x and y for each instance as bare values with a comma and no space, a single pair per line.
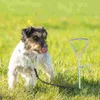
46,63
30,81
12,79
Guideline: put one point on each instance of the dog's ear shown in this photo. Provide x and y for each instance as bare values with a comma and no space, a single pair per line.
44,32
26,33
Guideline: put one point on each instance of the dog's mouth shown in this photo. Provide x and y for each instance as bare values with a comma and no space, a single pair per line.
43,50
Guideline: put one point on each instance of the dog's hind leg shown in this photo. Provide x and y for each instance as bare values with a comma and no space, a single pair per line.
12,79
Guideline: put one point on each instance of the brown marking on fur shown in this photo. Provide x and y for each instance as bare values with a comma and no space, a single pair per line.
31,45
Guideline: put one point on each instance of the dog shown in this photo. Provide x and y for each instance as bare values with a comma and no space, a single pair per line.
31,51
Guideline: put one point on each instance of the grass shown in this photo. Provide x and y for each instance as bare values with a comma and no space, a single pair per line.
63,20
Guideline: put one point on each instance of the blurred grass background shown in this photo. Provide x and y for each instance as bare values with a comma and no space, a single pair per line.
64,20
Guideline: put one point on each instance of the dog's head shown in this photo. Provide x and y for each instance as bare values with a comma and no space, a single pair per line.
35,39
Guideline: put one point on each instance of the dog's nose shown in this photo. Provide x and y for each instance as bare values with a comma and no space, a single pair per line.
41,42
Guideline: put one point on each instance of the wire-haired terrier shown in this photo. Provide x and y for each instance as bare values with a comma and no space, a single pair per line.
31,51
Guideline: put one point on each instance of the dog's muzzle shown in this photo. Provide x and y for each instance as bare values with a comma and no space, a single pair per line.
44,49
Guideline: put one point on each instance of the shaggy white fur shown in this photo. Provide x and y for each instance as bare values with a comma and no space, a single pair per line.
23,62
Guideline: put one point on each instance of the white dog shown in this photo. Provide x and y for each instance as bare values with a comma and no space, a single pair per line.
31,50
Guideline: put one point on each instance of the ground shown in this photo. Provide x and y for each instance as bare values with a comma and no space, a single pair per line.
64,20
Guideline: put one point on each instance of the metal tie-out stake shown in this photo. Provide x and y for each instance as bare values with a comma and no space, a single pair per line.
79,56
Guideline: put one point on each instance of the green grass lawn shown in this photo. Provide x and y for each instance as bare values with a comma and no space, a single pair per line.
64,20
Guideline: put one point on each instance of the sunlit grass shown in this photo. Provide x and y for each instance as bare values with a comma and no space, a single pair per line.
61,28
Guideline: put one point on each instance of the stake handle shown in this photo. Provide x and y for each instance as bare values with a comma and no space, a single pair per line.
79,57
74,39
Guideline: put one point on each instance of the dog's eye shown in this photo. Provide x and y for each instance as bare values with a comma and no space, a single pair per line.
35,38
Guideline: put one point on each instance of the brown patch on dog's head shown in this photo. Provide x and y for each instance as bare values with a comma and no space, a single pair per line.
34,38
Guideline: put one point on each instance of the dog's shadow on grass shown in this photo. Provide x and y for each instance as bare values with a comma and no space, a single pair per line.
88,87
64,82
59,80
